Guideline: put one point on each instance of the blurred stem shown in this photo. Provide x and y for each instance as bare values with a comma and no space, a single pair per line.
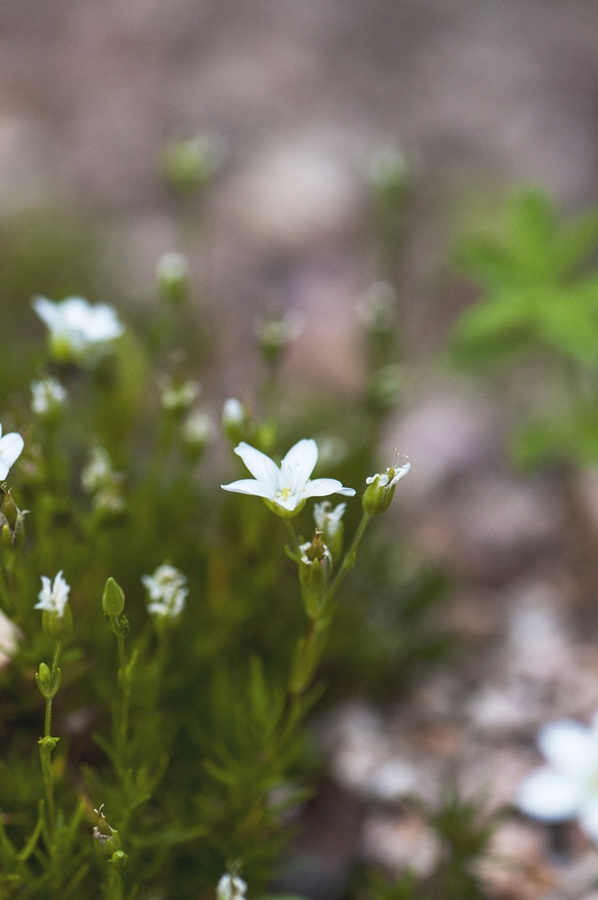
294,539
125,683
350,557
55,661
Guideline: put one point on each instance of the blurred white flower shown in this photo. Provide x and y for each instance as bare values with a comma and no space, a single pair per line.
78,331
11,447
177,396
389,478
167,591
98,472
53,597
567,787
231,887
285,489
172,275
199,428
48,395
327,519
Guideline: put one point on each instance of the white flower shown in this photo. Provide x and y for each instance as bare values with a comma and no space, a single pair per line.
199,428
327,520
568,786
53,597
78,331
167,591
11,447
389,478
285,489
231,887
98,473
178,396
48,395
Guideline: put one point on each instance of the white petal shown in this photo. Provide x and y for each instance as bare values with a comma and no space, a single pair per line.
11,447
299,463
49,313
568,745
550,795
322,487
260,465
588,818
249,486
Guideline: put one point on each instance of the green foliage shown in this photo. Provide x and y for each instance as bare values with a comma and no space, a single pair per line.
538,309
145,744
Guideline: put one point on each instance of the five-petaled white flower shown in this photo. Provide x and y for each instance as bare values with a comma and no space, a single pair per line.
285,489
11,447
53,597
167,591
567,787
78,331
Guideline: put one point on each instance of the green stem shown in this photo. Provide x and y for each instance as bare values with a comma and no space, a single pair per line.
126,689
293,537
48,717
350,557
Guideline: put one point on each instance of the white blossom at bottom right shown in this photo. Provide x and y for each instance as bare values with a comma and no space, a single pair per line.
567,787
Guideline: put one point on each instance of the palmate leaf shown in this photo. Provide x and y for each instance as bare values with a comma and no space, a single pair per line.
493,330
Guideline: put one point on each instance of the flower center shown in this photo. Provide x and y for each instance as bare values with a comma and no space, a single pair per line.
285,493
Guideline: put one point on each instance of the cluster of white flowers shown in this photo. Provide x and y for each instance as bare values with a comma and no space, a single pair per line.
231,887
53,597
567,787
11,447
48,395
79,332
285,489
167,589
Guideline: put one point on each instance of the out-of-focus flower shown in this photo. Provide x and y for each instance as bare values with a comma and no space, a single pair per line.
11,447
48,397
199,428
274,335
231,887
53,597
567,787
329,522
99,479
377,309
79,332
167,589
178,396
172,275
285,489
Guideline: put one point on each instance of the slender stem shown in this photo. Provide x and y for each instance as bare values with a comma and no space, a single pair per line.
293,537
48,717
350,557
123,677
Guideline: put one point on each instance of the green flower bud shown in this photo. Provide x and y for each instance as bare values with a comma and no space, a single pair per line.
190,165
44,676
380,490
113,599
236,426
119,859
315,567
9,509
172,276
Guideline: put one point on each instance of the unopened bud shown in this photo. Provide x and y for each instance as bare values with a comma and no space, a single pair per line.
44,676
235,421
172,276
315,567
9,509
113,599
119,859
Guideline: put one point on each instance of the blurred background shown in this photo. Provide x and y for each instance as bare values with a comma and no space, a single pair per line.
297,97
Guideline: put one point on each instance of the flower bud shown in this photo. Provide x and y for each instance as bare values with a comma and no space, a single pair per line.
113,599
235,421
119,858
380,489
172,276
275,335
44,677
190,165
9,509
315,567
